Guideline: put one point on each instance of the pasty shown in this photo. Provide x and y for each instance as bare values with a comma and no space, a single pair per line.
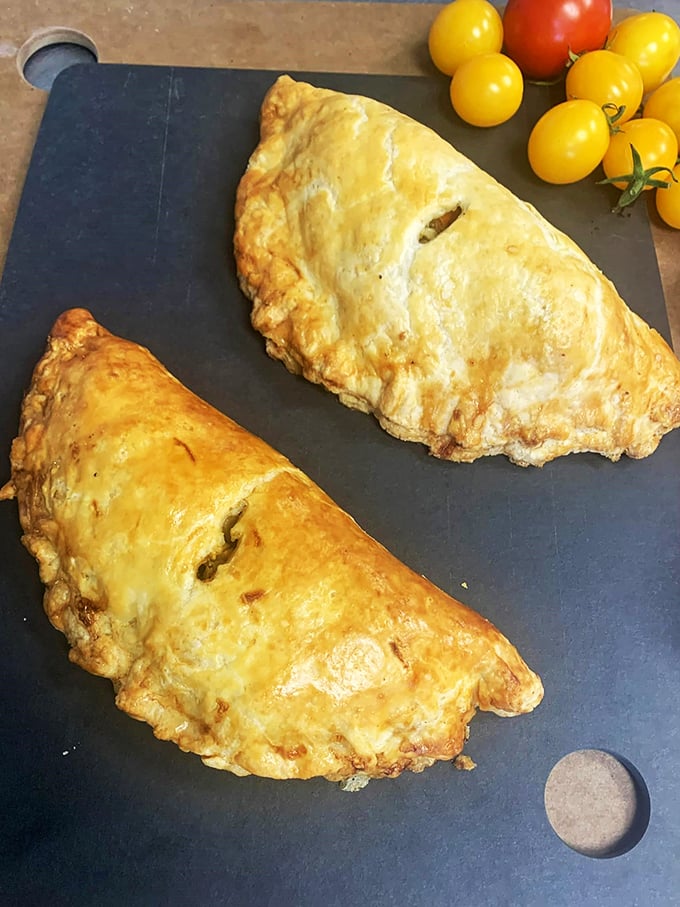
234,606
386,266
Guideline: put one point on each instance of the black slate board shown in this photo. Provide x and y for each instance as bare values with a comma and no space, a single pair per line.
127,210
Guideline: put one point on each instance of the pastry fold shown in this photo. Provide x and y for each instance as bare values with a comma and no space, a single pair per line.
388,267
235,607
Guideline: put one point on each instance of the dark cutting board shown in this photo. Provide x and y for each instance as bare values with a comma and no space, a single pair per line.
127,210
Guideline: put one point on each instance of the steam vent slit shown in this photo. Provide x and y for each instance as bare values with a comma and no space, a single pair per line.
438,224
207,569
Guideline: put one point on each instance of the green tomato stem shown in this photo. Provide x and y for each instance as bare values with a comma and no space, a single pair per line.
637,181
613,118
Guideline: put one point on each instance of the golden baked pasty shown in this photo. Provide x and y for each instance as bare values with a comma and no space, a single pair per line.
234,606
386,266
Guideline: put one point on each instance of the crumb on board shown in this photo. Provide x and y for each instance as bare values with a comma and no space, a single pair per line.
354,783
464,763
464,584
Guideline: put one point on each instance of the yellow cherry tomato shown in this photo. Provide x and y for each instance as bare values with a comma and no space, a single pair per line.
653,140
606,78
568,142
668,201
664,104
651,41
487,90
464,29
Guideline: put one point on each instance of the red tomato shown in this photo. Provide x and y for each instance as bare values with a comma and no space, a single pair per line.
539,34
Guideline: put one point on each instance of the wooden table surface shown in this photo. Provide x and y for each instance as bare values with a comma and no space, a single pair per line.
253,34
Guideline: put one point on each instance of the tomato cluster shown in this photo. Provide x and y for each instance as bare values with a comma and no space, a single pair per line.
621,109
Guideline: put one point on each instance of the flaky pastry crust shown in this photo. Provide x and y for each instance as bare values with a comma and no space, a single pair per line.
234,606
388,267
